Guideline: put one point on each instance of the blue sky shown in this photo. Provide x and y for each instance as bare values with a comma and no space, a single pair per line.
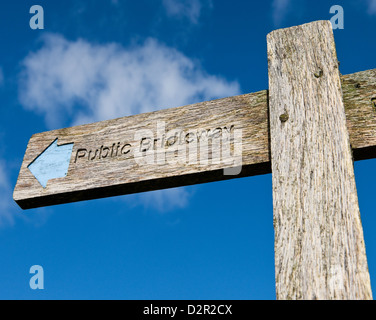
210,241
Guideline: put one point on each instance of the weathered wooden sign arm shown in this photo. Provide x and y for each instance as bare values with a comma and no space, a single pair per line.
89,177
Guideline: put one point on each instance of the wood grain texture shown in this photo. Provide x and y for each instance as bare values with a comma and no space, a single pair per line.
319,246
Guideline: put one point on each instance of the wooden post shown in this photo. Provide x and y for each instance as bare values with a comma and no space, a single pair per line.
319,246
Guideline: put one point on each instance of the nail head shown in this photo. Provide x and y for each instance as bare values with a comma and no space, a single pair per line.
284,117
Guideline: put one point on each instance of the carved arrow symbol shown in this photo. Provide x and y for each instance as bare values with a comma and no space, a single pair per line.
52,163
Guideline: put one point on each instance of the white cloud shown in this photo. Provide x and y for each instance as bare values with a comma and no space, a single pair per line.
372,7
190,9
87,82
161,200
280,9
83,82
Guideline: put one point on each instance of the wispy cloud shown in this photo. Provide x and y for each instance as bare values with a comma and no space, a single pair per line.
161,200
372,7
280,9
190,9
166,201
83,82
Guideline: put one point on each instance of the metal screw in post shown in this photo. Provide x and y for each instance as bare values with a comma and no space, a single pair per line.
284,117
318,73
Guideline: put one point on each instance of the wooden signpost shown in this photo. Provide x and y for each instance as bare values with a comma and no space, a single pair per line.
319,246
307,130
